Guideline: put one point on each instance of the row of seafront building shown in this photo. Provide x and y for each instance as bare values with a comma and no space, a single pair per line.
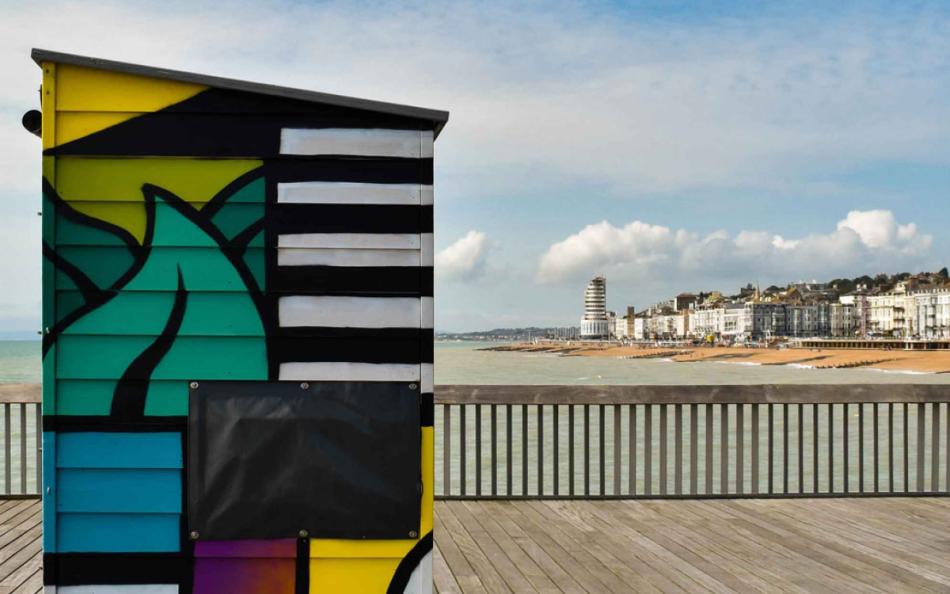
914,308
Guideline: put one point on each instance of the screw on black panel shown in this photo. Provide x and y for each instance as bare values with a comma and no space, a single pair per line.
304,385
413,534
303,534
413,386
193,535
193,385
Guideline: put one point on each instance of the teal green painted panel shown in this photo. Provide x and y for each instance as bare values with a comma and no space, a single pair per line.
87,449
67,302
190,357
49,379
231,219
69,232
118,533
103,265
206,314
94,397
119,490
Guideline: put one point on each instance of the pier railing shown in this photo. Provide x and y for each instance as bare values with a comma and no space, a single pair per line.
21,433
625,442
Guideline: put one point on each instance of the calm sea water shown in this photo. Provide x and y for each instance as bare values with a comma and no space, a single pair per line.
464,363
20,361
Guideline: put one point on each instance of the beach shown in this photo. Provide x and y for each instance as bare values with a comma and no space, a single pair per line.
884,360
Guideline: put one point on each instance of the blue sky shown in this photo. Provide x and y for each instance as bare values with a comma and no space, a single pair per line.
674,146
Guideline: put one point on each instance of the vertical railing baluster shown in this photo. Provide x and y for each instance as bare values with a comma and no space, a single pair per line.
890,447
446,449
617,460
946,455
600,450
632,446
663,444
755,449
693,447
586,450
921,424
814,447
831,448
556,434
801,448
524,450
845,422
860,447
648,449
570,449
724,448
38,409
935,448
877,450
509,446
771,442
906,448
478,450
678,449
7,455
785,448
462,445
494,450
23,448
540,450
740,453
709,449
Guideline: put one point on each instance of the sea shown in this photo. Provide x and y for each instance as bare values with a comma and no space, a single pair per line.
466,362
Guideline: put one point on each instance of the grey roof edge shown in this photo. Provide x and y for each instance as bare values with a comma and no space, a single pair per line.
437,117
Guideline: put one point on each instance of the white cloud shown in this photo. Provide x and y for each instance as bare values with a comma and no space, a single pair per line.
463,260
639,250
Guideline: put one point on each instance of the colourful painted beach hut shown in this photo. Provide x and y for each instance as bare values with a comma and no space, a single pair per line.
237,306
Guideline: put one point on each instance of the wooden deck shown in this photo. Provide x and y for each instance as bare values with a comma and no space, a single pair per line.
818,545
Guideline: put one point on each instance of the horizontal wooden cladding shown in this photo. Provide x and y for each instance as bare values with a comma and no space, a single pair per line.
692,394
354,312
360,142
349,218
336,371
353,193
370,170
361,345
342,280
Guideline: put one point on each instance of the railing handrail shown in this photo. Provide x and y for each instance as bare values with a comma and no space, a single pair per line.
693,394
20,393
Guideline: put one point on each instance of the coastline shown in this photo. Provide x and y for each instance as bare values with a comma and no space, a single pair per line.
911,362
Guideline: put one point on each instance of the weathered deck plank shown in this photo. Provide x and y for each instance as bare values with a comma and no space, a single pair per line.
834,545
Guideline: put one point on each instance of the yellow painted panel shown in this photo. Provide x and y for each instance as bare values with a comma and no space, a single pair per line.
90,182
353,576
48,103
354,549
90,89
72,125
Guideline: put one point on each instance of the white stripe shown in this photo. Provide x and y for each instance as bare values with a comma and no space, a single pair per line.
119,589
428,378
349,312
349,372
420,581
335,257
428,250
361,142
353,193
426,141
428,312
386,241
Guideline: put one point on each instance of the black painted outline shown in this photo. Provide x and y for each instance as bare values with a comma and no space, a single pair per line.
90,291
213,206
106,424
302,567
82,569
140,254
408,564
128,400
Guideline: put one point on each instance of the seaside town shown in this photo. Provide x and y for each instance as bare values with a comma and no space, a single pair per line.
907,307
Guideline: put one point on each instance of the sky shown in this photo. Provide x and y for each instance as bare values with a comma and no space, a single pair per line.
672,146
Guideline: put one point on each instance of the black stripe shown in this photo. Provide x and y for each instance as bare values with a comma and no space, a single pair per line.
79,569
403,281
350,218
212,207
426,410
239,242
391,345
362,169
128,401
87,423
302,577
408,564
89,290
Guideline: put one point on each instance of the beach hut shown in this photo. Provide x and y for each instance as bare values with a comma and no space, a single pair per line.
237,312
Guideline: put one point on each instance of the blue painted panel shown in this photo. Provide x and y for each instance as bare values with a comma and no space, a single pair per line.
119,450
123,490
49,491
118,533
